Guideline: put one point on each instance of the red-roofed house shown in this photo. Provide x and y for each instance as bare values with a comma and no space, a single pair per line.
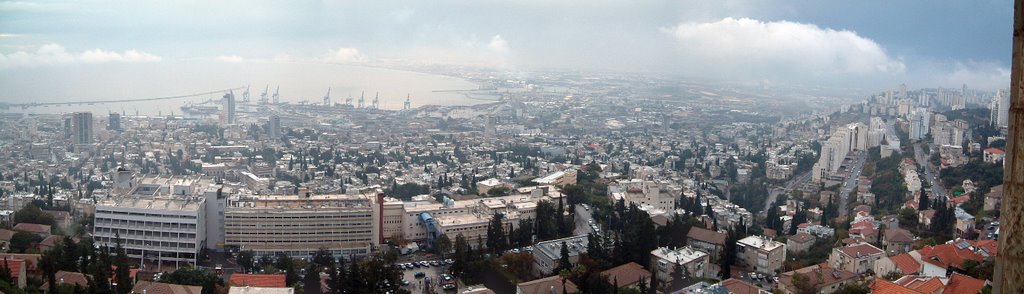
903,264
258,280
922,284
993,155
857,258
627,275
42,231
63,277
17,268
959,283
897,241
165,288
707,240
881,286
957,201
821,277
956,252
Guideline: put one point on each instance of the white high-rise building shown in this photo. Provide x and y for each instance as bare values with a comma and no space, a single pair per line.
1000,109
919,120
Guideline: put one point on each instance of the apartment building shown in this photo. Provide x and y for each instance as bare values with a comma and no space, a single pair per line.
761,254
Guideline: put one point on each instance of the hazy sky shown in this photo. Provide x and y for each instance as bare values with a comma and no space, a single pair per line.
867,44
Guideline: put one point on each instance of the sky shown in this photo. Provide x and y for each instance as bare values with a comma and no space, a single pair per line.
858,44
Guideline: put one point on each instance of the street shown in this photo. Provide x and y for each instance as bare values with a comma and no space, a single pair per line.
929,173
851,182
774,193
582,221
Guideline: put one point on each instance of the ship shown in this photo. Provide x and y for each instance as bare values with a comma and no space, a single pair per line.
199,109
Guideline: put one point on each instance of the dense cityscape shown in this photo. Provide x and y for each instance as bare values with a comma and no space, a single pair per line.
593,147
586,189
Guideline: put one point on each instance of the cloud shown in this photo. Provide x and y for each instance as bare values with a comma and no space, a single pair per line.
498,45
778,50
55,54
230,58
344,55
986,75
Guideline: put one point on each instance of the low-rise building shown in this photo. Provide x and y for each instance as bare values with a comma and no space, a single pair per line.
760,254
707,240
546,254
684,263
856,258
800,242
822,278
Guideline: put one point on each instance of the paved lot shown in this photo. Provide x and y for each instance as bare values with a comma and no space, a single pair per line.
416,284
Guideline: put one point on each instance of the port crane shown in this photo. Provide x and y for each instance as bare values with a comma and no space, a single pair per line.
327,98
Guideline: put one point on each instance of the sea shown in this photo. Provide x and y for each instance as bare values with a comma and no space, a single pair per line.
296,82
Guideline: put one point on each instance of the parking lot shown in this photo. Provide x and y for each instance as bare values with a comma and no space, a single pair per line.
432,272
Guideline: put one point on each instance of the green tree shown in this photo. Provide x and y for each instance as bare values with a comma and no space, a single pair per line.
287,264
32,214
563,259
22,241
121,273
246,259
195,277
496,233
443,245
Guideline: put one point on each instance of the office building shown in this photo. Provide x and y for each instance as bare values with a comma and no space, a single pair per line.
81,128
274,127
160,229
229,108
114,121
299,225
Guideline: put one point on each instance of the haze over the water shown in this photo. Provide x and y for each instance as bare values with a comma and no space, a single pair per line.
298,82
88,49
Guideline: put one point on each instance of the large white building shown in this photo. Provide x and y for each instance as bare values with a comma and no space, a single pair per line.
299,225
653,197
919,121
1000,109
159,219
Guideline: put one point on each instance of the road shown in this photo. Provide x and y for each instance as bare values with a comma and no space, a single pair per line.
851,182
929,173
582,221
774,193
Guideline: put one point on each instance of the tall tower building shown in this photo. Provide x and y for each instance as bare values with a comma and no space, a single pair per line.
81,127
1000,109
229,108
274,127
114,121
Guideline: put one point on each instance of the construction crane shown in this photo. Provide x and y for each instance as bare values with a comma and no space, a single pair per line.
361,99
277,95
245,95
408,104
376,101
263,96
327,98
